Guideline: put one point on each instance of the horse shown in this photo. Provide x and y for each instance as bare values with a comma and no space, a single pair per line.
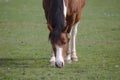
62,18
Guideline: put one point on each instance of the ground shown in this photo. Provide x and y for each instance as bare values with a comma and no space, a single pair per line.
25,48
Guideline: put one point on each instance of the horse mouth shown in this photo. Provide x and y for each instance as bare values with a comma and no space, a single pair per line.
59,65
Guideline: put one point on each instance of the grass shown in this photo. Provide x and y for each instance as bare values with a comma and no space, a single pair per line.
25,50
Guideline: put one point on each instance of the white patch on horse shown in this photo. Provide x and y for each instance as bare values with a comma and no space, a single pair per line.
65,8
73,38
72,45
68,56
59,57
52,56
52,59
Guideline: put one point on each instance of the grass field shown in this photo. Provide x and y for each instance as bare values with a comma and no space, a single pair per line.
25,50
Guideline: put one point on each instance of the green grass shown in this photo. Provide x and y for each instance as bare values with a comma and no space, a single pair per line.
25,49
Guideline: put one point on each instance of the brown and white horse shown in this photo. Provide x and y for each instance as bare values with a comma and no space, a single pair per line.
62,20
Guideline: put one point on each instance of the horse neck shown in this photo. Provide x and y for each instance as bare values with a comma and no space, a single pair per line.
57,14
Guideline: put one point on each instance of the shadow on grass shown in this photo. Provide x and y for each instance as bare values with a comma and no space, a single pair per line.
24,62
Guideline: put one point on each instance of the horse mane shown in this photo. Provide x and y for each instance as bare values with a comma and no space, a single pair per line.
56,18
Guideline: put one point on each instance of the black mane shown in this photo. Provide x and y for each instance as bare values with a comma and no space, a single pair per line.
56,18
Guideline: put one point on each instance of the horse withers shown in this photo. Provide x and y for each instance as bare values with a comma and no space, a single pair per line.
62,20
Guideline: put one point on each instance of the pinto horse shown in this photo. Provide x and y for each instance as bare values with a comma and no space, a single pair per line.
62,20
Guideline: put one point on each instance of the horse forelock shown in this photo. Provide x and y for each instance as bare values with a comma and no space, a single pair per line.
54,36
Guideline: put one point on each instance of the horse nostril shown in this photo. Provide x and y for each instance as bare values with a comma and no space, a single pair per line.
59,65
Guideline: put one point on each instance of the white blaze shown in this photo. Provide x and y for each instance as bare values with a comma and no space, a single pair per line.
59,57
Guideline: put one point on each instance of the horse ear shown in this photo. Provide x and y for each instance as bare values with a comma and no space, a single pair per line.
50,27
